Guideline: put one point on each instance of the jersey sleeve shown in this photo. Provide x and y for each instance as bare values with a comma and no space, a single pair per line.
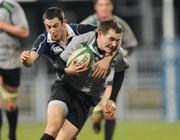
73,45
110,77
40,45
119,62
4,15
82,28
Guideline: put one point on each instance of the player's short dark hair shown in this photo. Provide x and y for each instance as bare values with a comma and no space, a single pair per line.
54,12
107,24
95,1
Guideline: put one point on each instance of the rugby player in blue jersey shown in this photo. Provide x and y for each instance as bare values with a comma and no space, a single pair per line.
58,34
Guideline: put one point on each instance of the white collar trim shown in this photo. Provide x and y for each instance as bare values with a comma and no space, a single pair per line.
69,31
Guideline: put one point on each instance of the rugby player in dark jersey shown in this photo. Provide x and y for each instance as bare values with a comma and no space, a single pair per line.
72,98
53,42
104,9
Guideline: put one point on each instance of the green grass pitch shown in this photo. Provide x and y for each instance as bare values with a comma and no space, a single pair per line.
124,131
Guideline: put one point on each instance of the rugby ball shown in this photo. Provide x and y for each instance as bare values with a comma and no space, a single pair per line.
81,56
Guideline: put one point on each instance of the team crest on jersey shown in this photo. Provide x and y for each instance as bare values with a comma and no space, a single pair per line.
57,49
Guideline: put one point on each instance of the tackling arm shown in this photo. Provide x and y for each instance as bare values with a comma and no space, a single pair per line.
117,83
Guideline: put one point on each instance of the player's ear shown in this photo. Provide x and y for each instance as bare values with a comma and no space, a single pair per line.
121,41
95,7
100,34
64,22
112,7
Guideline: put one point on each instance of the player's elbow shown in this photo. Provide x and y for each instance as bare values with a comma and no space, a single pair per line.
24,33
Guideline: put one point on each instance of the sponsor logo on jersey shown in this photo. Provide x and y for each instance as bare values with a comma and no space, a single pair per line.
57,49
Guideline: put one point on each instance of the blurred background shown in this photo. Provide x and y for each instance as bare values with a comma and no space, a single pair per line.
151,90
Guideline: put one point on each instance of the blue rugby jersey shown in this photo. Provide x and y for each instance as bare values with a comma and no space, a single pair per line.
44,45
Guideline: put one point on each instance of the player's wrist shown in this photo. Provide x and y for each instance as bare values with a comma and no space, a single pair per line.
69,71
65,71
26,64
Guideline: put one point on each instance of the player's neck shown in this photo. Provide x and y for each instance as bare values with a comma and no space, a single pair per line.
63,39
99,46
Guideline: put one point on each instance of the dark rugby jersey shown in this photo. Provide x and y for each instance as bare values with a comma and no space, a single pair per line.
84,81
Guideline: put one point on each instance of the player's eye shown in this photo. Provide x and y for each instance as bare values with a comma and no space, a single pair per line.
48,27
112,39
56,25
117,41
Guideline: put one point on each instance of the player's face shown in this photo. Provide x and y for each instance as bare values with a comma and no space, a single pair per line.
110,41
104,9
55,27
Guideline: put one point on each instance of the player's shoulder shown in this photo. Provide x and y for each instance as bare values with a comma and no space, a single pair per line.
120,20
86,36
125,26
83,38
7,5
41,39
92,17
11,3
82,28
43,36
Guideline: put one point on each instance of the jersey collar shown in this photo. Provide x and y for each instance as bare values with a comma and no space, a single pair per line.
69,31
93,46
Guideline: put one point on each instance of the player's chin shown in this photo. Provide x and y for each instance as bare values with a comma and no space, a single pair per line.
55,38
107,50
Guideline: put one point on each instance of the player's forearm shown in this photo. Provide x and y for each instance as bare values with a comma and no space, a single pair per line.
14,30
111,56
107,93
117,83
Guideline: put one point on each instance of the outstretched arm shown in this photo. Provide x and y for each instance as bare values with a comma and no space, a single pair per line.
109,106
117,83
14,29
102,66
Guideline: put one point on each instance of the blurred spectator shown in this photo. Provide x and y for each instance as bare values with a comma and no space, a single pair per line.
13,26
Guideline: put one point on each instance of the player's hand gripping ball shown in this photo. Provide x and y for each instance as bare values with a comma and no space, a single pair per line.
82,56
